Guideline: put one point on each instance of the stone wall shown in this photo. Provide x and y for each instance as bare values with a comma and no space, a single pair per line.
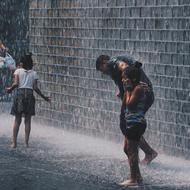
66,36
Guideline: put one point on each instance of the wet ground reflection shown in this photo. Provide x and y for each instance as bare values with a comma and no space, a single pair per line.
61,160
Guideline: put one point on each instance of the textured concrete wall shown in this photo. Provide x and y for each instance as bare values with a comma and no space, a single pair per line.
66,36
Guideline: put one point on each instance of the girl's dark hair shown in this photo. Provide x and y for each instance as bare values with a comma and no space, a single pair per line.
100,60
27,61
133,73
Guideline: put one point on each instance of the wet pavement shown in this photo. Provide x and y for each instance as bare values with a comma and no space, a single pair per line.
60,160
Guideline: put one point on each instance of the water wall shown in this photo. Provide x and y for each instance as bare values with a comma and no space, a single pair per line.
14,26
66,36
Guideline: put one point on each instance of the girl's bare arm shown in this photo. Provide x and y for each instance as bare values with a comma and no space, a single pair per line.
133,97
38,91
14,84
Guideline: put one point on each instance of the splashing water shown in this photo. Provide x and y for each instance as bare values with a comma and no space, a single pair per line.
62,154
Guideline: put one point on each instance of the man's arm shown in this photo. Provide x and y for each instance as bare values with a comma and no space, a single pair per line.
115,75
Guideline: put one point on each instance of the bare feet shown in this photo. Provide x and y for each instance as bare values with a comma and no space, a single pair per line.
13,145
148,158
27,145
130,182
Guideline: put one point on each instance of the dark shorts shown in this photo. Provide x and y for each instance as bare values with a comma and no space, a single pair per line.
133,131
23,103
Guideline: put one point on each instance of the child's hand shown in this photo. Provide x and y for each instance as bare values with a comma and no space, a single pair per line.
8,89
48,99
118,94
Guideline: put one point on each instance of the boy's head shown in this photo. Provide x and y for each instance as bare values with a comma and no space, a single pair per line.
102,63
131,76
26,61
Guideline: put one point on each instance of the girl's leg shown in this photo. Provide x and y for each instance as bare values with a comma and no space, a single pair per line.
131,150
16,125
126,147
134,161
27,122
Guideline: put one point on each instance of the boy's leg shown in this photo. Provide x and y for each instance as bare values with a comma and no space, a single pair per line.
27,122
16,125
150,153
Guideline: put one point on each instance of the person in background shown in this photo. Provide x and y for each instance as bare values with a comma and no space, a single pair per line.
134,106
3,49
26,81
114,67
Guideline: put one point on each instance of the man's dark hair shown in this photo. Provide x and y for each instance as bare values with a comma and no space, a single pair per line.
27,61
133,73
100,60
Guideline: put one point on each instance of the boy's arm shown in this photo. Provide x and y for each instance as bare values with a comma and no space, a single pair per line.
14,84
38,91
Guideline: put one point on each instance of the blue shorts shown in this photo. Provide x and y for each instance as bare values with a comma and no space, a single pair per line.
133,130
